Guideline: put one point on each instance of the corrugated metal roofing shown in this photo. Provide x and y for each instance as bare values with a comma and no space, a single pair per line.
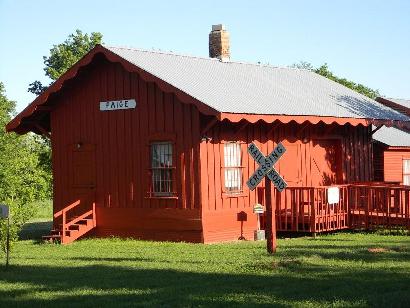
403,102
235,87
392,137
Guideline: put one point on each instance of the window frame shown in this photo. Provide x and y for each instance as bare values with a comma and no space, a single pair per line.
162,139
404,159
225,191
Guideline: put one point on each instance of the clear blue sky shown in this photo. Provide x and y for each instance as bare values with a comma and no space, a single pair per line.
365,41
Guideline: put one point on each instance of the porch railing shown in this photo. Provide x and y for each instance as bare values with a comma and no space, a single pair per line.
367,205
306,209
375,205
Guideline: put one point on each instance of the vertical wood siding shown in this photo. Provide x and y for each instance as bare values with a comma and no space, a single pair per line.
121,139
329,154
201,211
393,165
378,161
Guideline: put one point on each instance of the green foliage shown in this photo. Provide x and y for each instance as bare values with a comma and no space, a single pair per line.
303,65
325,72
64,55
23,176
36,87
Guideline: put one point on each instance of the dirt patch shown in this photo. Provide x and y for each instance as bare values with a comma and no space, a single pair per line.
288,262
378,250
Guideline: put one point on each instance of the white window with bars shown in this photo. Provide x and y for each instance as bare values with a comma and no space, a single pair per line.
233,167
406,171
162,169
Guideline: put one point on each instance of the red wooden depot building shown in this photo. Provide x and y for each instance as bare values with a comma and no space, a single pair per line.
392,148
153,145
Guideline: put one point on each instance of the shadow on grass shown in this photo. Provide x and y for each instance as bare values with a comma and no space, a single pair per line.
361,253
101,285
35,230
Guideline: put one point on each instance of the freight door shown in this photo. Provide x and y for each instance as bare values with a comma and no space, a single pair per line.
83,176
290,164
326,161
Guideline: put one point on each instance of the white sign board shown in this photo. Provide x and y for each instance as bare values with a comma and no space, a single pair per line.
4,211
333,195
258,209
118,105
266,167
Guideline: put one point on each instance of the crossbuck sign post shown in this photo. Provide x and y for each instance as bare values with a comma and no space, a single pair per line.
266,170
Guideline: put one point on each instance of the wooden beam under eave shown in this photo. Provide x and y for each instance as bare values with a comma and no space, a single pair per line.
44,132
209,126
302,128
44,108
274,126
376,129
240,129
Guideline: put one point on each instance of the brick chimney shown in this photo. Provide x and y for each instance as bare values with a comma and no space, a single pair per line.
219,43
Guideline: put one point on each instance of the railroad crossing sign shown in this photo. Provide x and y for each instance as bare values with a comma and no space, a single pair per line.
266,167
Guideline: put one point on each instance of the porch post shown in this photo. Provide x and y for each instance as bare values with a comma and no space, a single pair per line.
270,219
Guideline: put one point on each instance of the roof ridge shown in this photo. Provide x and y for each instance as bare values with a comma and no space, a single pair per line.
172,53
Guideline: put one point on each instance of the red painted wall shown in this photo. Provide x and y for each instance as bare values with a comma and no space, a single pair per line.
393,164
329,155
117,163
111,165
378,161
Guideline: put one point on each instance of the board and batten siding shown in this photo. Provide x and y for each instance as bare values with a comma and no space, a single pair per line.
120,141
109,151
378,161
393,165
322,148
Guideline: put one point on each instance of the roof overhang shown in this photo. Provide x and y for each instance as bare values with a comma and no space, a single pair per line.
35,117
29,119
300,119
393,104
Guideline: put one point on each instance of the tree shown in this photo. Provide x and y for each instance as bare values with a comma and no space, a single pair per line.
303,65
22,178
324,71
65,55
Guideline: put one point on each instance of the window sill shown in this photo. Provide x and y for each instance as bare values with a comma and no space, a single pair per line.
226,195
162,197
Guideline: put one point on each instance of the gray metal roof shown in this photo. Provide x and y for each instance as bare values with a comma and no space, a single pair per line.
403,102
236,87
392,137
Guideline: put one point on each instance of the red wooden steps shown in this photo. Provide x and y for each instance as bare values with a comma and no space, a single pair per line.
72,232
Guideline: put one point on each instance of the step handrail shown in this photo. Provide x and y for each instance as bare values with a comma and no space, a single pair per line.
66,209
81,217
66,225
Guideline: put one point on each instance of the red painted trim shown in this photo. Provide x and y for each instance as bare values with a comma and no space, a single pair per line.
396,106
399,148
300,119
18,126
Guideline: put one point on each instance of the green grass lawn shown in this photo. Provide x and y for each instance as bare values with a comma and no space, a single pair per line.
340,270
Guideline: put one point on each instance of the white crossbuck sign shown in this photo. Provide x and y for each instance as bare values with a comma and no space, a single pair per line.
266,167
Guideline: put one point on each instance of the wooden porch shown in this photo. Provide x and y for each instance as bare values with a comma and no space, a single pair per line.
360,206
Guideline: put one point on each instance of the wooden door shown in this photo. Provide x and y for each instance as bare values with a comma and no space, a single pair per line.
290,164
326,161
83,176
